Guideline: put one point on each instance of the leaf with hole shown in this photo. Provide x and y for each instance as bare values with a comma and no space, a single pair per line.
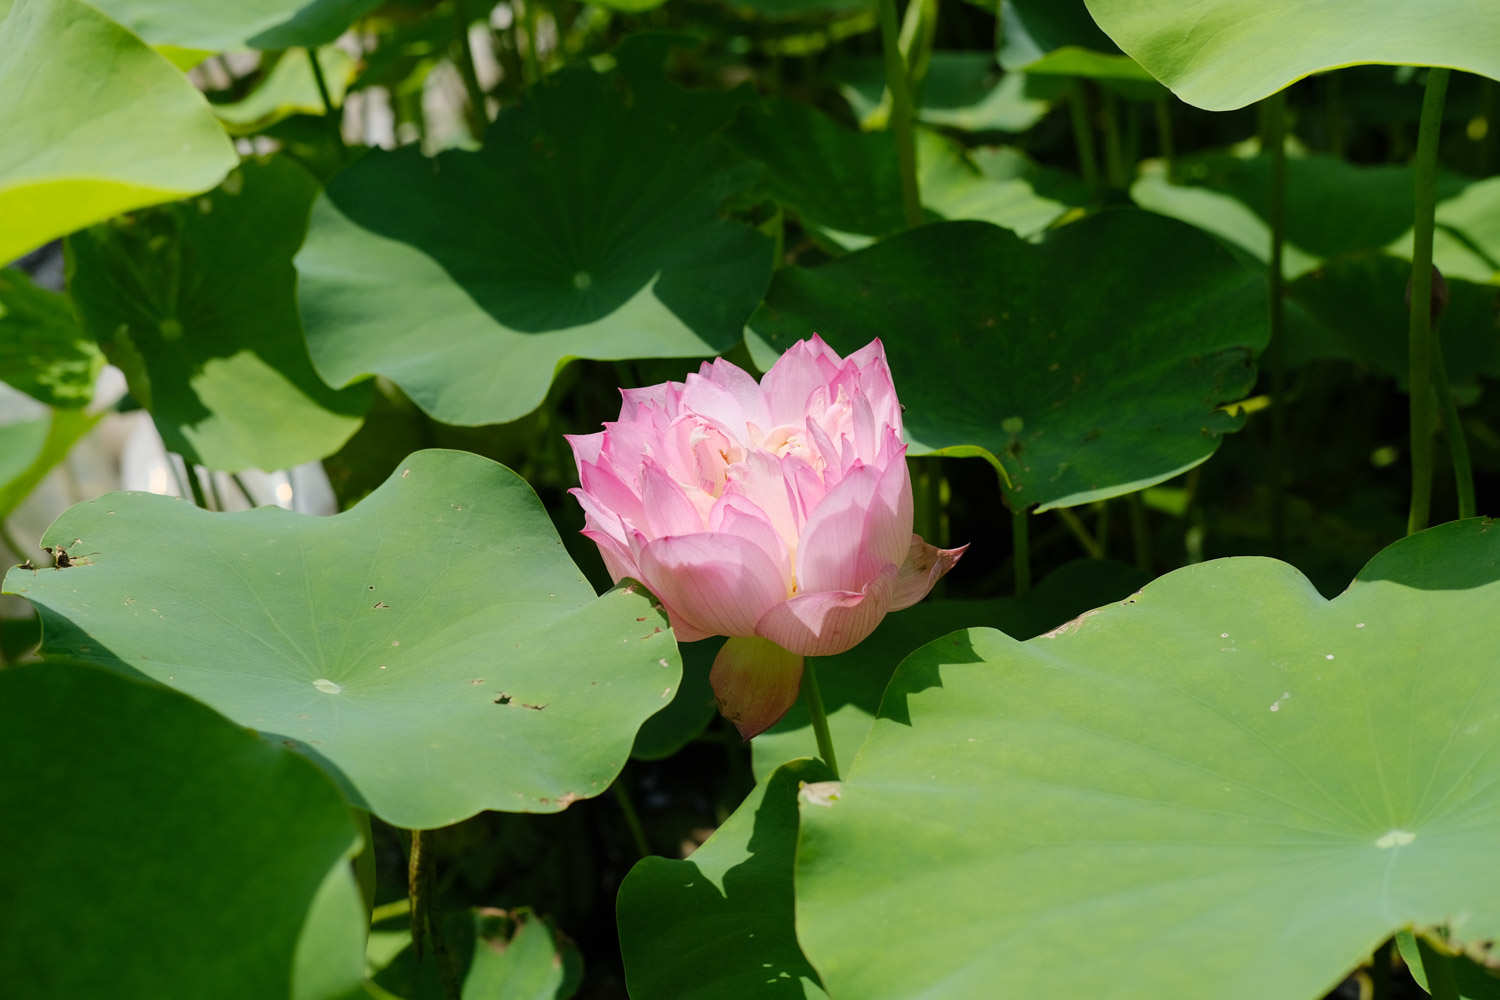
434,648
1224,766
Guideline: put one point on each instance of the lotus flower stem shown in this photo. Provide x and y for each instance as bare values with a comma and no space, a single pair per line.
632,818
1114,148
1419,339
819,717
1273,141
1020,533
899,85
1083,134
1080,532
479,115
423,923
1458,444
332,115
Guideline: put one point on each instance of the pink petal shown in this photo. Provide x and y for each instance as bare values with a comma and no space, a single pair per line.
585,447
761,480
667,509
607,490
862,527
664,397
830,622
726,394
616,557
734,515
716,583
924,566
801,370
755,682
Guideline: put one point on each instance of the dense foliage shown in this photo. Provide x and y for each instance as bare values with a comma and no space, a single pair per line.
1193,311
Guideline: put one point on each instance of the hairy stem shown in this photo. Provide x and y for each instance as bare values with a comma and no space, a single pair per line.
818,715
899,85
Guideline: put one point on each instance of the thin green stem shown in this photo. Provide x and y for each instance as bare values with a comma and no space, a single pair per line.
818,715
332,115
1083,134
1164,141
418,879
389,911
1380,971
1140,531
1419,340
239,484
899,85
1453,429
1439,968
479,115
532,54
632,818
177,476
213,492
1080,531
1020,535
195,485
1101,532
1273,140
1114,150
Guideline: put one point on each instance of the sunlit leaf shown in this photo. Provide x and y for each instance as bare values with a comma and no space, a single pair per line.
433,648
1224,767
43,350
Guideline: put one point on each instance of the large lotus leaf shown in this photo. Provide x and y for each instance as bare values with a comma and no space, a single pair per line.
196,302
961,90
589,225
1059,38
719,925
1354,308
95,123
507,955
43,350
258,24
1225,54
20,443
1332,208
852,683
289,89
145,832
845,187
1088,366
1163,793
433,647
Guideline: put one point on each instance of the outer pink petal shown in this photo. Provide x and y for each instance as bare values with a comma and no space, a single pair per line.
862,527
755,682
664,397
924,566
830,622
719,584
734,515
616,557
586,448
667,509
607,490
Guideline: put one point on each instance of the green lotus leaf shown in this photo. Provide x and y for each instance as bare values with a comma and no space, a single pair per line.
589,225
129,132
1088,366
961,90
853,682
207,335
32,448
434,648
289,89
1225,54
257,24
691,708
845,187
43,350
718,925
508,955
1222,767
134,801
1332,208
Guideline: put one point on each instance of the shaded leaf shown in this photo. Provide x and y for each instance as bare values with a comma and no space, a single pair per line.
43,350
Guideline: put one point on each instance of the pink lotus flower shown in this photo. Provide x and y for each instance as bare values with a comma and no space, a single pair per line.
776,513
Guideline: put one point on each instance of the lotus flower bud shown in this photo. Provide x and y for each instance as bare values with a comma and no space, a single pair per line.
776,513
